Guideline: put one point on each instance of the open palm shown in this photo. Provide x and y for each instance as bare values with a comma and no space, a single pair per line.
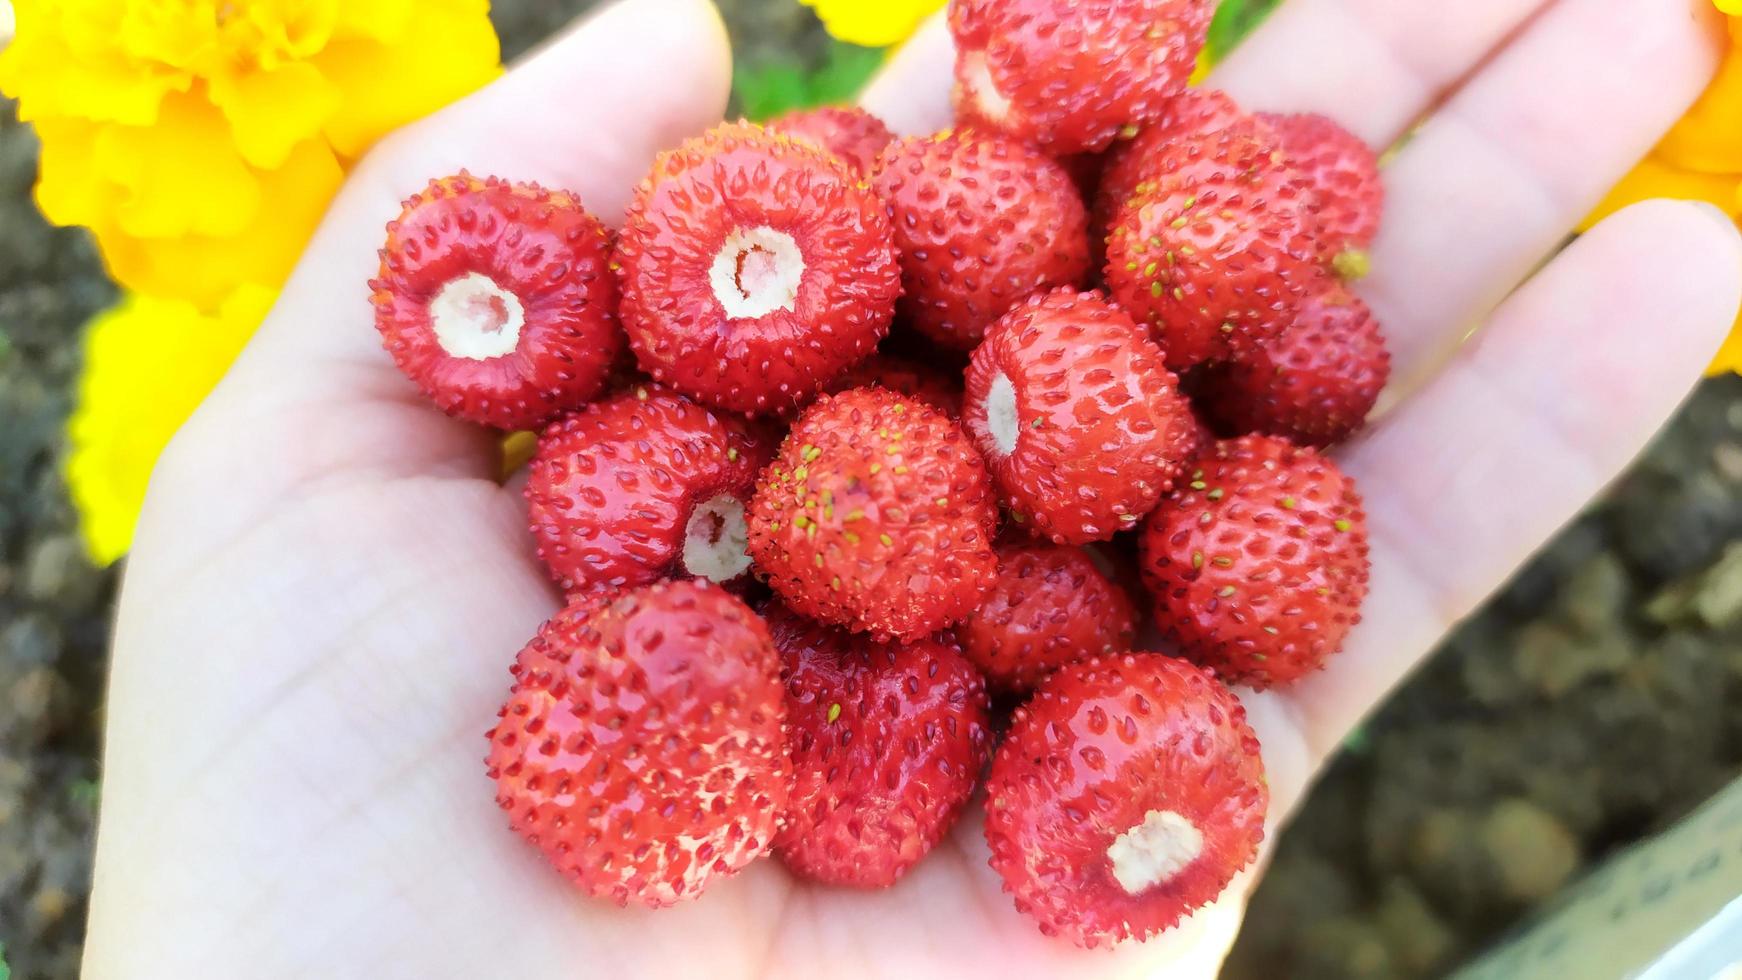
329,583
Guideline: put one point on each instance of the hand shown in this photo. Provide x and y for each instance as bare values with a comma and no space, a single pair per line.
329,583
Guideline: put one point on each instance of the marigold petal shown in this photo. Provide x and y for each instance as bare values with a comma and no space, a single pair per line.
382,21
180,177
289,30
203,269
443,56
69,190
1655,178
873,25
148,364
1709,137
53,78
169,34
272,111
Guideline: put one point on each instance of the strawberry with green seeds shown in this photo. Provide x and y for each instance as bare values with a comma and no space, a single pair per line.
876,515
888,741
1128,792
1257,564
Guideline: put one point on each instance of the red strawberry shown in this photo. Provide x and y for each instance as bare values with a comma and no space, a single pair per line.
1196,114
641,747
980,222
876,515
887,743
1314,384
1218,248
923,382
1050,606
754,269
1258,565
497,300
1071,75
849,132
1345,173
643,486
1079,419
1128,792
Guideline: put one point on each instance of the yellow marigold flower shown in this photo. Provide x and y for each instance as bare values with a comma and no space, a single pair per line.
200,140
148,364
873,25
1700,159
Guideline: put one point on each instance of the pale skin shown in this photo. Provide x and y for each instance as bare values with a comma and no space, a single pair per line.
329,583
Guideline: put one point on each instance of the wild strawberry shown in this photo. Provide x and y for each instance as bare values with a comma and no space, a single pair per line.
1314,384
924,382
1345,173
641,746
496,299
980,222
1050,606
1197,113
849,132
1128,792
754,269
1070,75
643,486
876,515
1258,564
1077,415
887,743
1218,248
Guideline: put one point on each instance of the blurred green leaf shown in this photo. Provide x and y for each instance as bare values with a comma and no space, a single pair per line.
83,793
848,69
771,88
1358,740
1234,20
5,971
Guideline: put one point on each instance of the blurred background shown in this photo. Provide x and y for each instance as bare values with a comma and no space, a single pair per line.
1592,703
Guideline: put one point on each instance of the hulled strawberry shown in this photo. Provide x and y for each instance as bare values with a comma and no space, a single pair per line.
887,742
1079,419
1070,76
875,515
641,746
924,382
1218,248
1345,173
849,132
497,300
1049,606
980,222
643,486
1258,563
1128,792
1314,384
754,269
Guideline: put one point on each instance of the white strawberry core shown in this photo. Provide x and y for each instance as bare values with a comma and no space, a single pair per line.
476,319
977,82
1001,417
757,272
1154,851
716,542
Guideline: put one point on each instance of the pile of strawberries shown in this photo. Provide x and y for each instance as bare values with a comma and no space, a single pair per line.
849,474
